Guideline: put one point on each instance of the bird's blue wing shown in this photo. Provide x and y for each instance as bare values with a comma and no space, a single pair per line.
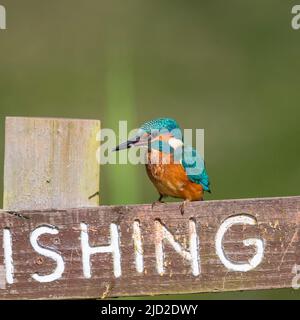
194,166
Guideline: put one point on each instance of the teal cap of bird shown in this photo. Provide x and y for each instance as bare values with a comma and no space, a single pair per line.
176,170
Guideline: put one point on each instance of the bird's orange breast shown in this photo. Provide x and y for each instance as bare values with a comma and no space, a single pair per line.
170,179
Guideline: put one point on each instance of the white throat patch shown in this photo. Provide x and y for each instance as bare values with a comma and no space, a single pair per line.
175,143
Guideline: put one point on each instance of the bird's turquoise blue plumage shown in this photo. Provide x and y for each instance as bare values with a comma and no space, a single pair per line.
194,166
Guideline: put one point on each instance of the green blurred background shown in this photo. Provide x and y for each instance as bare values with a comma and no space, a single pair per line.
230,67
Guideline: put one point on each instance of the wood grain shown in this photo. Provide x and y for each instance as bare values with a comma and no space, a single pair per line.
277,224
50,163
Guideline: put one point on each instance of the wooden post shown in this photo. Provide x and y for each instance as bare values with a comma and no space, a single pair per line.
50,163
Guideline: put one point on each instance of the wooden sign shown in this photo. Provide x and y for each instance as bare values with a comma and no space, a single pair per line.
107,251
133,250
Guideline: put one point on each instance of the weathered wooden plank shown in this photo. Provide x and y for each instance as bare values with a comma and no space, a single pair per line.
50,163
134,234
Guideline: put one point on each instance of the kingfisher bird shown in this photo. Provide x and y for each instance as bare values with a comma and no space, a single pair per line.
175,169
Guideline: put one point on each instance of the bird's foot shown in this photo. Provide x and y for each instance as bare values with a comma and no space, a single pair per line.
159,201
182,206
156,203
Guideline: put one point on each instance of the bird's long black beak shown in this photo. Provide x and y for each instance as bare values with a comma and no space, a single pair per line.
127,144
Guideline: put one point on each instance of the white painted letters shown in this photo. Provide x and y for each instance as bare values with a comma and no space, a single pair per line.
8,260
158,237
255,260
296,270
113,248
161,234
138,247
47,253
